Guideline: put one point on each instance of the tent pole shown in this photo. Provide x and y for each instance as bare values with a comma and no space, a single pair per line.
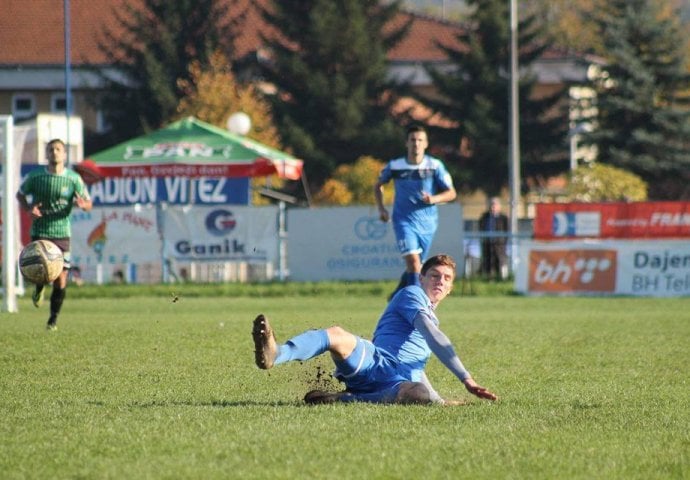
305,185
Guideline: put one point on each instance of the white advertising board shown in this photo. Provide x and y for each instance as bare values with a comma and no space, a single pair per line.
221,233
114,236
351,243
658,268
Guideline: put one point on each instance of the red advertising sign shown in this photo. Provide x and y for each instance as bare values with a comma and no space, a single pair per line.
559,271
555,221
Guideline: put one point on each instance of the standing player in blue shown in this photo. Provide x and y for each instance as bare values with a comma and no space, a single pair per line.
390,368
54,190
421,182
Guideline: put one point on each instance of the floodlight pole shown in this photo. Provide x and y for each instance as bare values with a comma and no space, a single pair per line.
514,163
68,86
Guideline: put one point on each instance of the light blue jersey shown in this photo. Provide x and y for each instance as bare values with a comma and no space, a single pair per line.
410,181
396,334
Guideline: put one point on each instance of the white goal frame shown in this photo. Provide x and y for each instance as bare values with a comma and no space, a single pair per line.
9,216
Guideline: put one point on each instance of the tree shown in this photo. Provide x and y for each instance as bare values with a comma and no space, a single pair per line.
564,20
213,94
354,184
158,43
600,183
567,20
475,97
642,115
329,65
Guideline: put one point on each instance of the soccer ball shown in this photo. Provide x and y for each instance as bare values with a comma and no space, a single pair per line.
41,262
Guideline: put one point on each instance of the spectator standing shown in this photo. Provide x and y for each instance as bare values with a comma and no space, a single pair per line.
493,224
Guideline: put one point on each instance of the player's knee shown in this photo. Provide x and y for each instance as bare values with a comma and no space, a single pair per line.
413,392
341,342
336,331
338,336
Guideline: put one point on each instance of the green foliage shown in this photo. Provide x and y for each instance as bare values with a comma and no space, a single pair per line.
354,184
329,66
333,192
158,43
213,93
476,96
146,388
600,183
565,23
643,105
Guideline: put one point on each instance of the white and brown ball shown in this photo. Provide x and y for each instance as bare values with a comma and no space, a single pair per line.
41,262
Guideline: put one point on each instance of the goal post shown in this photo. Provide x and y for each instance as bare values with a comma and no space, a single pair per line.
10,221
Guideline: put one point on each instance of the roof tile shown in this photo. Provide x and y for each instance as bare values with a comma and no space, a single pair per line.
32,33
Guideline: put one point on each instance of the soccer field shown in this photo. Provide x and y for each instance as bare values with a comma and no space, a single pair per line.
147,388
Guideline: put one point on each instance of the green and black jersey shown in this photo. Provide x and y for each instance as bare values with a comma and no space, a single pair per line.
55,193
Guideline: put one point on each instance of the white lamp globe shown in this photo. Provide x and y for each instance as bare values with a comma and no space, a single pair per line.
239,123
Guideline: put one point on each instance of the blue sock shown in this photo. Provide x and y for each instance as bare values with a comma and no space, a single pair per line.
413,278
303,347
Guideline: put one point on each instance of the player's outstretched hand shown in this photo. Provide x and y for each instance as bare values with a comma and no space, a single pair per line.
478,390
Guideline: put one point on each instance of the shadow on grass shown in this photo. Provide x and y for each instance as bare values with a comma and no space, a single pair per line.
213,403
257,403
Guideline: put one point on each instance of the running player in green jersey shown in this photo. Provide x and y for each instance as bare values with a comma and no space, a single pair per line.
54,190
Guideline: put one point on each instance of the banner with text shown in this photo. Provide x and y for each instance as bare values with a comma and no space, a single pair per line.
351,243
605,267
612,220
221,233
173,190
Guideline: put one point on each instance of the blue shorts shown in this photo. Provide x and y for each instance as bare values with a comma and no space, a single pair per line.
412,241
370,374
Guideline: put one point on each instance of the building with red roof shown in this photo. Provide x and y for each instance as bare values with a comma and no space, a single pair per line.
32,57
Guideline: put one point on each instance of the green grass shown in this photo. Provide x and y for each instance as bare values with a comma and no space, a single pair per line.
139,387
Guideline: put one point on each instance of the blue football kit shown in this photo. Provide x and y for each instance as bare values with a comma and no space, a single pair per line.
414,221
405,336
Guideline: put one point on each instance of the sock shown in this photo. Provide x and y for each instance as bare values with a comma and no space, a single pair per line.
401,284
303,347
413,278
56,299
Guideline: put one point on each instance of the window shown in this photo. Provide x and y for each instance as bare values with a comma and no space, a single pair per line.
23,105
58,103
102,124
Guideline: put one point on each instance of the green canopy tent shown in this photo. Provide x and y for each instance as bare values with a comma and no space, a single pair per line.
186,151
176,158
191,148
